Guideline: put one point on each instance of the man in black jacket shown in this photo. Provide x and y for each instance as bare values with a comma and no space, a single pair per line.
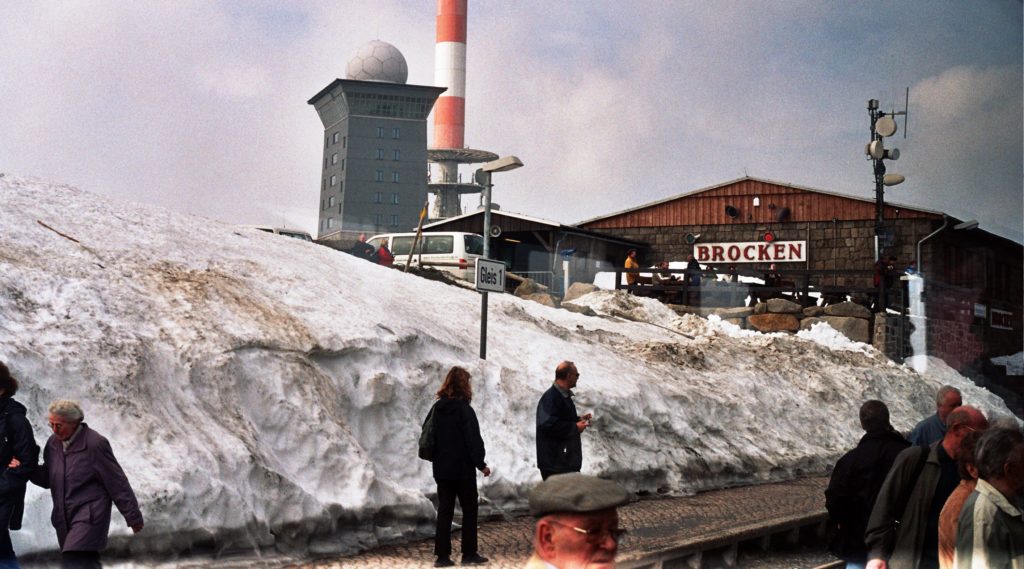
559,449
856,479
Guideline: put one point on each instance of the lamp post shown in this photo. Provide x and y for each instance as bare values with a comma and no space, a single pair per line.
483,178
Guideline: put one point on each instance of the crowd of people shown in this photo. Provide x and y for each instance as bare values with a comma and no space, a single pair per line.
577,518
950,497
79,469
380,254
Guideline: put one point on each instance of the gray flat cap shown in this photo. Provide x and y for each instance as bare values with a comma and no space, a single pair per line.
575,493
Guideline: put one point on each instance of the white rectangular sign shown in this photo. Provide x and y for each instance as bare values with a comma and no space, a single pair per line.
751,252
490,275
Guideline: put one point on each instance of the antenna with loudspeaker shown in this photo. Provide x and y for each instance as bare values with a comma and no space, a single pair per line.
495,231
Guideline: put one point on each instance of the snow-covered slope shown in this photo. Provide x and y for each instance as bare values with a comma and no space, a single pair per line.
265,392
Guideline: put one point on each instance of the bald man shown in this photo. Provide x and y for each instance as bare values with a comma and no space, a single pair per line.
559,426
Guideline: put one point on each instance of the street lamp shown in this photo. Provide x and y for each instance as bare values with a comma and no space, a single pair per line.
483,178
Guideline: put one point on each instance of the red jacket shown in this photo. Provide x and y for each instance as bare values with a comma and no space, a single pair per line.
384,257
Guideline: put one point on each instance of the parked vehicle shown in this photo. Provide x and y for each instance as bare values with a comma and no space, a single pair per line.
450,251
295,233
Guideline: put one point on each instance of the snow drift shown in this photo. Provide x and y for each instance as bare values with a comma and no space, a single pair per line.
266,393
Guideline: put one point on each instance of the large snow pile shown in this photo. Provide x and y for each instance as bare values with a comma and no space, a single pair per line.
263,392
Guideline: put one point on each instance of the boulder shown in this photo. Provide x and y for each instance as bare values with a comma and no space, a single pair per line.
855,329
731,313
526,288
783,306
577,290
543,298
812,311
760,308
741,322
773,322
850,309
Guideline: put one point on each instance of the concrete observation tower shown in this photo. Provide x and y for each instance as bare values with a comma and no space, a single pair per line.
449,148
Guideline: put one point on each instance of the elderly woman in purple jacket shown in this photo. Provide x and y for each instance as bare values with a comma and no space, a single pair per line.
84,479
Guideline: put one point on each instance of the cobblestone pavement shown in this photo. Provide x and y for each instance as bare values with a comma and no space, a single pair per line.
655,525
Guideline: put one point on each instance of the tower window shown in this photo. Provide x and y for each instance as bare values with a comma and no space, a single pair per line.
334,139
330,222
330,201
380,154
344,141
394,176
396,155
378,219
334,180
394,198
396,133
378,197
380,175
394,221
380,132
334,158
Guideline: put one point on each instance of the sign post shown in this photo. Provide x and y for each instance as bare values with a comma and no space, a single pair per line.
490,277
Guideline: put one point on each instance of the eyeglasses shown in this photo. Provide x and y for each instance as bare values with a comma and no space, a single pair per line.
595,535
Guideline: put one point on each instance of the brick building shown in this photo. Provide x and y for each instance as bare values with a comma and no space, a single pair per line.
973,279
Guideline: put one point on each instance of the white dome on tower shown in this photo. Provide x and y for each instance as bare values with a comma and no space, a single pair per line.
378,61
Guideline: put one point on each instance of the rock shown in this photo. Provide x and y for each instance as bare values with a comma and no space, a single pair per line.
732,313
848,309
526,288
855,329
543,298
585,310
760,308
774,322
783,306
812,311
577,290
741,322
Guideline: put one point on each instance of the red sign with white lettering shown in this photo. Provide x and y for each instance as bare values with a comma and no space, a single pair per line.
753,252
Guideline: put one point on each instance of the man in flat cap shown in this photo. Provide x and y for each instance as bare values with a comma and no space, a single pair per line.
577,522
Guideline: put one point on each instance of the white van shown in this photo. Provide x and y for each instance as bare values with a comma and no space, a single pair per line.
294,233
451,251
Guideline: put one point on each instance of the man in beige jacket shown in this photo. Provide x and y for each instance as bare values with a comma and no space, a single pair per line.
577,522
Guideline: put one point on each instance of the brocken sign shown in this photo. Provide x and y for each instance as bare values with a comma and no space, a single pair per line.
755,252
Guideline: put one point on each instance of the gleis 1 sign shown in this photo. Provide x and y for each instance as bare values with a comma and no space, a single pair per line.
753,252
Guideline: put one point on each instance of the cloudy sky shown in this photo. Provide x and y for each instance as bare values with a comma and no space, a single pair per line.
200,106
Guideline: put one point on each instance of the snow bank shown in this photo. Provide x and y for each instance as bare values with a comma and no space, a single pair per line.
266,393
1014,363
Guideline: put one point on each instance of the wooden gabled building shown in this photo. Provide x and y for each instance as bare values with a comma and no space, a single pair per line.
973,278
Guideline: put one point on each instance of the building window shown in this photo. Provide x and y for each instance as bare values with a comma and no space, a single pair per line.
380,154
330,222
339,208
325,162
323,224
327,141
378,219
394,221
334,180
341,186
394,198
397,155
342,163
344,142
335,138
396,132
380,132
323,185
330,201
380,175
378,197
334,158
394,176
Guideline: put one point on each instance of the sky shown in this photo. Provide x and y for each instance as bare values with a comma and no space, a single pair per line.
200,106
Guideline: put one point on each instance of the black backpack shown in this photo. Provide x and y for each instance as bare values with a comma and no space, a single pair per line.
427,437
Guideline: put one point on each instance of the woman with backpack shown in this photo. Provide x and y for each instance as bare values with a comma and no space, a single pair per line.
16,441
458,454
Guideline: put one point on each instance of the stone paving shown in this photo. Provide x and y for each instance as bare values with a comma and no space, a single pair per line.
656,526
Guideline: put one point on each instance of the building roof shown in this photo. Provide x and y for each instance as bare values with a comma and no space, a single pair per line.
753,179
554,225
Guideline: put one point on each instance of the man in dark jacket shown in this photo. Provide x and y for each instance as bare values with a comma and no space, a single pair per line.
16,442
856,480
84,479
559,448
